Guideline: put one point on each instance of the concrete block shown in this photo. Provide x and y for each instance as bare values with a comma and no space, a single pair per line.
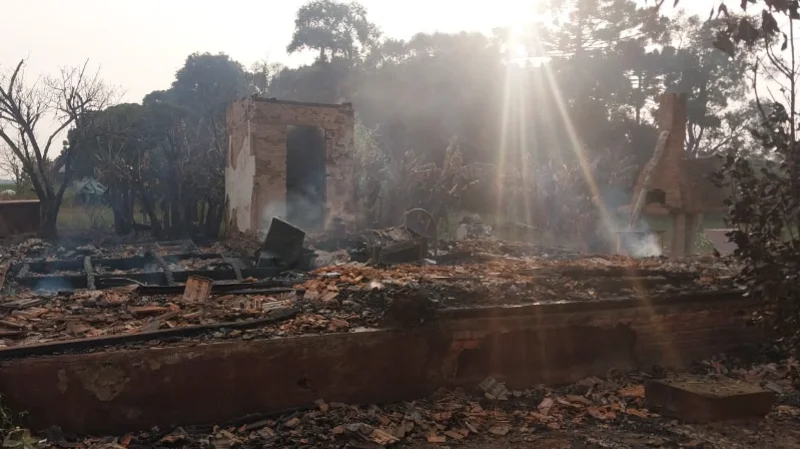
697,399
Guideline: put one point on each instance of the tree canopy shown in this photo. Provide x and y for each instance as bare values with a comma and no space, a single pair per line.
333,29
578,90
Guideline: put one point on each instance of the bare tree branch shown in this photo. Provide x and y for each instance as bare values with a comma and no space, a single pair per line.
67,100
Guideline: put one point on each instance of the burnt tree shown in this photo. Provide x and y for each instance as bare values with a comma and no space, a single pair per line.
27,110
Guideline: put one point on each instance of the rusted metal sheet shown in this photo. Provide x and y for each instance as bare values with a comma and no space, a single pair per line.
122,390
19,217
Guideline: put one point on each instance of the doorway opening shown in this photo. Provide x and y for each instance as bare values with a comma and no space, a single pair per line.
305,176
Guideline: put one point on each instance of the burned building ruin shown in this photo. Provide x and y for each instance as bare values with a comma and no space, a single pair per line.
291,160
677,184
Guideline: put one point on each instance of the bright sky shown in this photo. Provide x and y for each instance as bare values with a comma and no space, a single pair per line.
139,44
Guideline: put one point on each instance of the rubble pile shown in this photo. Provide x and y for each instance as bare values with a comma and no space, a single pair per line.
34,249
594,412
341,297
36,319
486,279
384,279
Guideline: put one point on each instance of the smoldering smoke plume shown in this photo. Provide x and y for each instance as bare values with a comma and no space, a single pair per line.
276,209
305,213
53,284
646,246
643,243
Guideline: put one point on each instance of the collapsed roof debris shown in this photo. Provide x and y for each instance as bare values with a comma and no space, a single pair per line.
65,294
66,301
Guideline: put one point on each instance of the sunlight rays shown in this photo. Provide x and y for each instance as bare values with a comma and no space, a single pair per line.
520,151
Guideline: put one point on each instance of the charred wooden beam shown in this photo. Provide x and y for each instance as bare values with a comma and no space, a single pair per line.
222,288
24,270
237,266
164,266
86,344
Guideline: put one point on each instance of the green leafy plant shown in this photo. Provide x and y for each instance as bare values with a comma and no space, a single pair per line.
765,214
764,209
22,439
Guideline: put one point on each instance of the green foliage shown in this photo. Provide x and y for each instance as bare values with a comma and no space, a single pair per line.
586,94
389,186
8,419
168,153
206,85
713,81
322,82
587,97
22,439
333,30
703,245
765,207
592,26
12,435
600,78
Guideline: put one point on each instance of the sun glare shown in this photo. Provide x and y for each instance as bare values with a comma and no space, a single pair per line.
514,119
517,147
519,51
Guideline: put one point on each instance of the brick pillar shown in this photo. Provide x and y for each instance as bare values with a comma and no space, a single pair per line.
691,234
672,117
678,235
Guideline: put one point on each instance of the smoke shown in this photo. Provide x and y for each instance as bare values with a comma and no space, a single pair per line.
305,207
641,242
645,245
276,209
152,268
305,213
53,284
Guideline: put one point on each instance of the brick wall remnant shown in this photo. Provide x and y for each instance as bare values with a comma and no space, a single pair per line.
255,172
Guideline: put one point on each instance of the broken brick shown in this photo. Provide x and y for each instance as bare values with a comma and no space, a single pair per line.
292,422
148,310
457,434
381,437
500,430
636,391
198,289
695,399
323,407
494,389
436,439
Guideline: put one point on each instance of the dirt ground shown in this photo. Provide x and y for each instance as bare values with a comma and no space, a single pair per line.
771,432
593,413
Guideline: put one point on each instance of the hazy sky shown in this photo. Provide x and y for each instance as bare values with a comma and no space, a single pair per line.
139,44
